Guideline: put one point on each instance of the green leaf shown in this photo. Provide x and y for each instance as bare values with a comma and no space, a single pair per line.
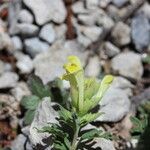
65,114
105,83
89,118
37,87
60,146
67,142
146,59
91,134
29,116
91,87
138,127
30,102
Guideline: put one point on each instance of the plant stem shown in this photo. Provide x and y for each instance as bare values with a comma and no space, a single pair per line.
75,137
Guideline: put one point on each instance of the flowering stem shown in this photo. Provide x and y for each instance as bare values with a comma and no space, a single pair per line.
75,137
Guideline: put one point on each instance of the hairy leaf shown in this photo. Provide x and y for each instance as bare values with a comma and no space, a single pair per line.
37,87
30,102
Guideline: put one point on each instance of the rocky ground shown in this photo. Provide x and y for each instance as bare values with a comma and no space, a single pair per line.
109,36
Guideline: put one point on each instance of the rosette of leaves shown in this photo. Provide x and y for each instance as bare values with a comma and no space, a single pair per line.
85,95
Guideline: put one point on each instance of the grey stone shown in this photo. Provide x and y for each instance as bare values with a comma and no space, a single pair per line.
24,63
104,20
14,9
104,3
5,41
120,3
88,34
92,32
60,31
93,67
78,7
140,28
103,144
45,114
116,103
34,46
47,10
20,90
48,65
83,40
128,64
2,67
25,16
20,143
17,43
110,49
145,9
27,29
92,4
88,18
47,33
8,80
121,34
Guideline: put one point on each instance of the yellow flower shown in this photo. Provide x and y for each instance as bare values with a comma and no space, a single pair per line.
72,66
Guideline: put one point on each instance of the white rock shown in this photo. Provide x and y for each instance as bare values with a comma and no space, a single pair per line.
27,29
20,143
45,114
128,64
20,90
83,40
17,43
104,3
110,49
25,16
8,80
48,65
88,18
47,10
120,3
34,46
103,144
116,104
92,33
24,63
140,28
2,67
104,20
92,4
93,67
47,33
60,31
5,41
121,34
14,9
78,7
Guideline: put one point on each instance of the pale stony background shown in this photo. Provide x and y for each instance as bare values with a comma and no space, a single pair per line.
109,36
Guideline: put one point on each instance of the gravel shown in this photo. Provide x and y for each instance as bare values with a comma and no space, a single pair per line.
140,28
128,64
55,10
35,46
25,16
121,34
8,80
17,43
47,33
